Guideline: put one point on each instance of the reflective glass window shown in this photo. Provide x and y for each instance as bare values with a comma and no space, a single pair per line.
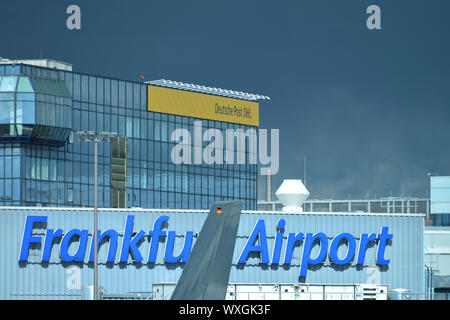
157,130
19,113
68,76
92,89
6,110
114,123
84,172
114,93
6,96
76,86
24,85
84,195
164,136
16,167
84,88
50,115
107,94
143,128
8,189
40,113
85,121
136,95
92,121
26,96
67,118
129,132
121,126
136,128
76,120
59,116
122,94
99,90
129,94
144,95
100,122
44,170
107,122
8,84
8,171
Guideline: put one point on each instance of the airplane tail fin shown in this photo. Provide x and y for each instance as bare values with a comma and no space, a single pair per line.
206,273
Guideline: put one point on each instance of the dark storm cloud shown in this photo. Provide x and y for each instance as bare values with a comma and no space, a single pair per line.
369,109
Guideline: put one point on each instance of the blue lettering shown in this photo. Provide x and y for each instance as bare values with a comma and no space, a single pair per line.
278,242
27,238
256,242
81,250
50,236
365,240
130,245
113,238
258,230
383,237
292,240
334,248
184,255
156,234
306,259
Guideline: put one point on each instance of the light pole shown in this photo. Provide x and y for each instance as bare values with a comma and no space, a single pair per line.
91,136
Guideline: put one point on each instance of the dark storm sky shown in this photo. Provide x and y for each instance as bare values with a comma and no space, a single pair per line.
370,109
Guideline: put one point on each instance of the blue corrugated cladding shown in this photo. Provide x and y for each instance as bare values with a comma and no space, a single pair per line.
56,279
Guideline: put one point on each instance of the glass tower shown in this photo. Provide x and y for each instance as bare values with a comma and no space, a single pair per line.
43,164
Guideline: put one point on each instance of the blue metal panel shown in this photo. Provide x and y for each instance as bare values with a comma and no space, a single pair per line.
34,279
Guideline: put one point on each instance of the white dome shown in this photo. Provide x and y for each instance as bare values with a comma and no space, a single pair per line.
292,194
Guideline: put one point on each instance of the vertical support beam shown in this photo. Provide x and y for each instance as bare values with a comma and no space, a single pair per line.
94,238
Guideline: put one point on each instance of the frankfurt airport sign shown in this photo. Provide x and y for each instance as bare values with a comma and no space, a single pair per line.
256,243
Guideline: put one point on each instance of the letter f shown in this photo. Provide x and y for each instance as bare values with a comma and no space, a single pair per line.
27,235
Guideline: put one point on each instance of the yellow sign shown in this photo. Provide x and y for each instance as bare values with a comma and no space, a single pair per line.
202,105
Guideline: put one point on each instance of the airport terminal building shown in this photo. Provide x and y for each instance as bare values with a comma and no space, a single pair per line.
47,199
43,103
47,254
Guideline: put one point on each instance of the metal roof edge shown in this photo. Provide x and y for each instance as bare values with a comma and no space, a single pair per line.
337,213
207,90
16,208
206,211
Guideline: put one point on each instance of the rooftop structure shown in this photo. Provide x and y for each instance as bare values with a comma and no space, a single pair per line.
208,90
43,103
47,63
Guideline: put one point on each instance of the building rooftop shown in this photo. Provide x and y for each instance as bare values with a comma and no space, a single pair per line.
47,63
8,209
209,90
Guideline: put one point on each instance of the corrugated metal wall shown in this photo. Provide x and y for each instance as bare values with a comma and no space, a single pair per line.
34,279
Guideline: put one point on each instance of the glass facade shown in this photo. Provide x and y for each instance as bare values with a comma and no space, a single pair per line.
49,167
34,110
441,219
